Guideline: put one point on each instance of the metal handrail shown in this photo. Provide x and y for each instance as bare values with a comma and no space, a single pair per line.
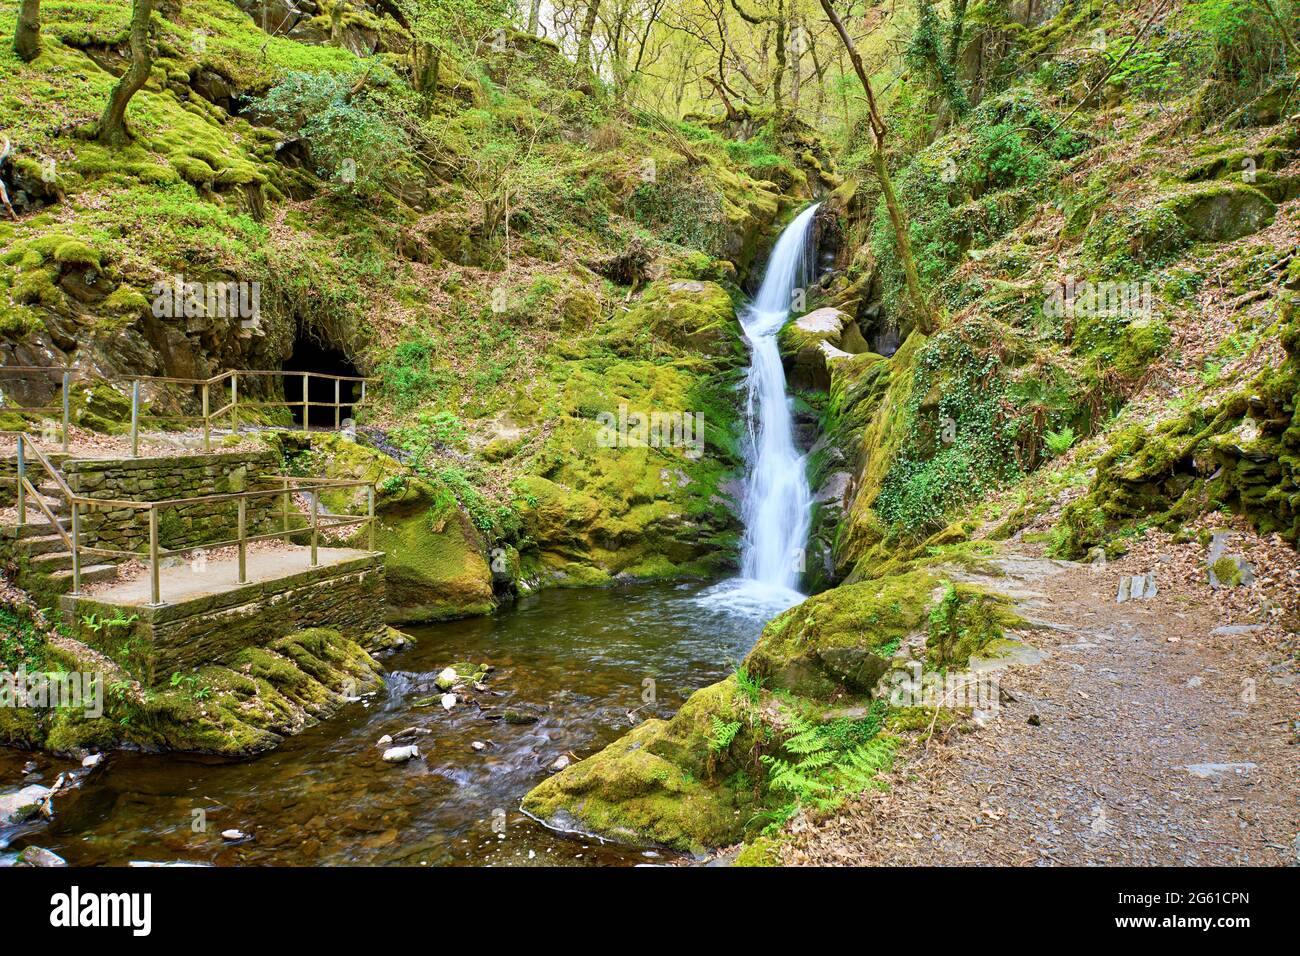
207,417
155,552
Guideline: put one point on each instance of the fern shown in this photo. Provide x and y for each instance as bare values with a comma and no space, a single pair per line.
860,766
724,733
831,761
1058,443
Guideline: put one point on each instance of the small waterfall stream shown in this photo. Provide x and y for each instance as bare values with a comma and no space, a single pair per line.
777,499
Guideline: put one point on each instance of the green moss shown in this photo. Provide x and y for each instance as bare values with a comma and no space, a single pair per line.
837,640
661,784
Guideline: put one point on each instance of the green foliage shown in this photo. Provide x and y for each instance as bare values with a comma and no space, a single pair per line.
352,122
826,762
1058,443
22,643
958,442
750,687
724,732
408,374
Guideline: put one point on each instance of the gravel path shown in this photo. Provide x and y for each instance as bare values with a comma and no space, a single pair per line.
1149,736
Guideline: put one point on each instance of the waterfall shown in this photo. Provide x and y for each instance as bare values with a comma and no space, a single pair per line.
777,501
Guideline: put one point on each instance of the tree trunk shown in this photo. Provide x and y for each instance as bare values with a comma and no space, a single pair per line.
778,107
27,37
584,39
112,127
425,60
796,64
534,11
925,318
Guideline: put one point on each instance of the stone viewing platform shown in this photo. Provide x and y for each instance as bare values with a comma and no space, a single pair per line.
209,616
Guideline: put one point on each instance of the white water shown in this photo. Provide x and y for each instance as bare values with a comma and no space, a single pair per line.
777,500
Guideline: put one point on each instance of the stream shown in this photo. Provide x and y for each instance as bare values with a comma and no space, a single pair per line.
587,658
326,797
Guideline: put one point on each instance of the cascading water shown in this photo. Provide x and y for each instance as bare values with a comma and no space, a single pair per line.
777,499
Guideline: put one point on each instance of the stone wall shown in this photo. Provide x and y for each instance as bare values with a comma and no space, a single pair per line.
348,597
160,479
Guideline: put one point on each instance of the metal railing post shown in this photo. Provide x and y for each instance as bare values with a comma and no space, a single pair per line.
337,406
76,548
22,487
306,406
135,419
207,427
370,511
67,406
288,500
234,401
315,526
155,589
363,399
243,542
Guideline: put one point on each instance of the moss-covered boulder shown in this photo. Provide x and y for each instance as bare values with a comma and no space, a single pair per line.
666,783
435,559
638,449
434,563
246,705
681,315
842,639
1222,211
811,343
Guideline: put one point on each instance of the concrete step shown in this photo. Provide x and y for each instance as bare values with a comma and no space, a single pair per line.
93,574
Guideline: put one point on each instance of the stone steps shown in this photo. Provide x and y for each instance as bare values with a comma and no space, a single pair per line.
33,544
37,526
51,561
92,574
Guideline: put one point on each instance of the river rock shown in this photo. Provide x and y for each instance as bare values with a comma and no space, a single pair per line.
523,713
410,733
401,754
39,856
91,761
233,836
447,679
24,804
384,741
478,745
448,701
561,763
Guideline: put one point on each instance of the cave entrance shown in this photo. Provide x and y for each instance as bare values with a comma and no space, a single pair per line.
322,360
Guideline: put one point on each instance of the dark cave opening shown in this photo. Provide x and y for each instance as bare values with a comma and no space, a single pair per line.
321,359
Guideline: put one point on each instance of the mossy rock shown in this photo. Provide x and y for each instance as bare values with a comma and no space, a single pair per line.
1223,211
246,706
662,784
685,315
434,570
842,639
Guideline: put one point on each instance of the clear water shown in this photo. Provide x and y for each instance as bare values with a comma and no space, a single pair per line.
326,797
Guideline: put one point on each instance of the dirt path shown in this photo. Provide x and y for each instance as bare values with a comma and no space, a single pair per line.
1088,762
